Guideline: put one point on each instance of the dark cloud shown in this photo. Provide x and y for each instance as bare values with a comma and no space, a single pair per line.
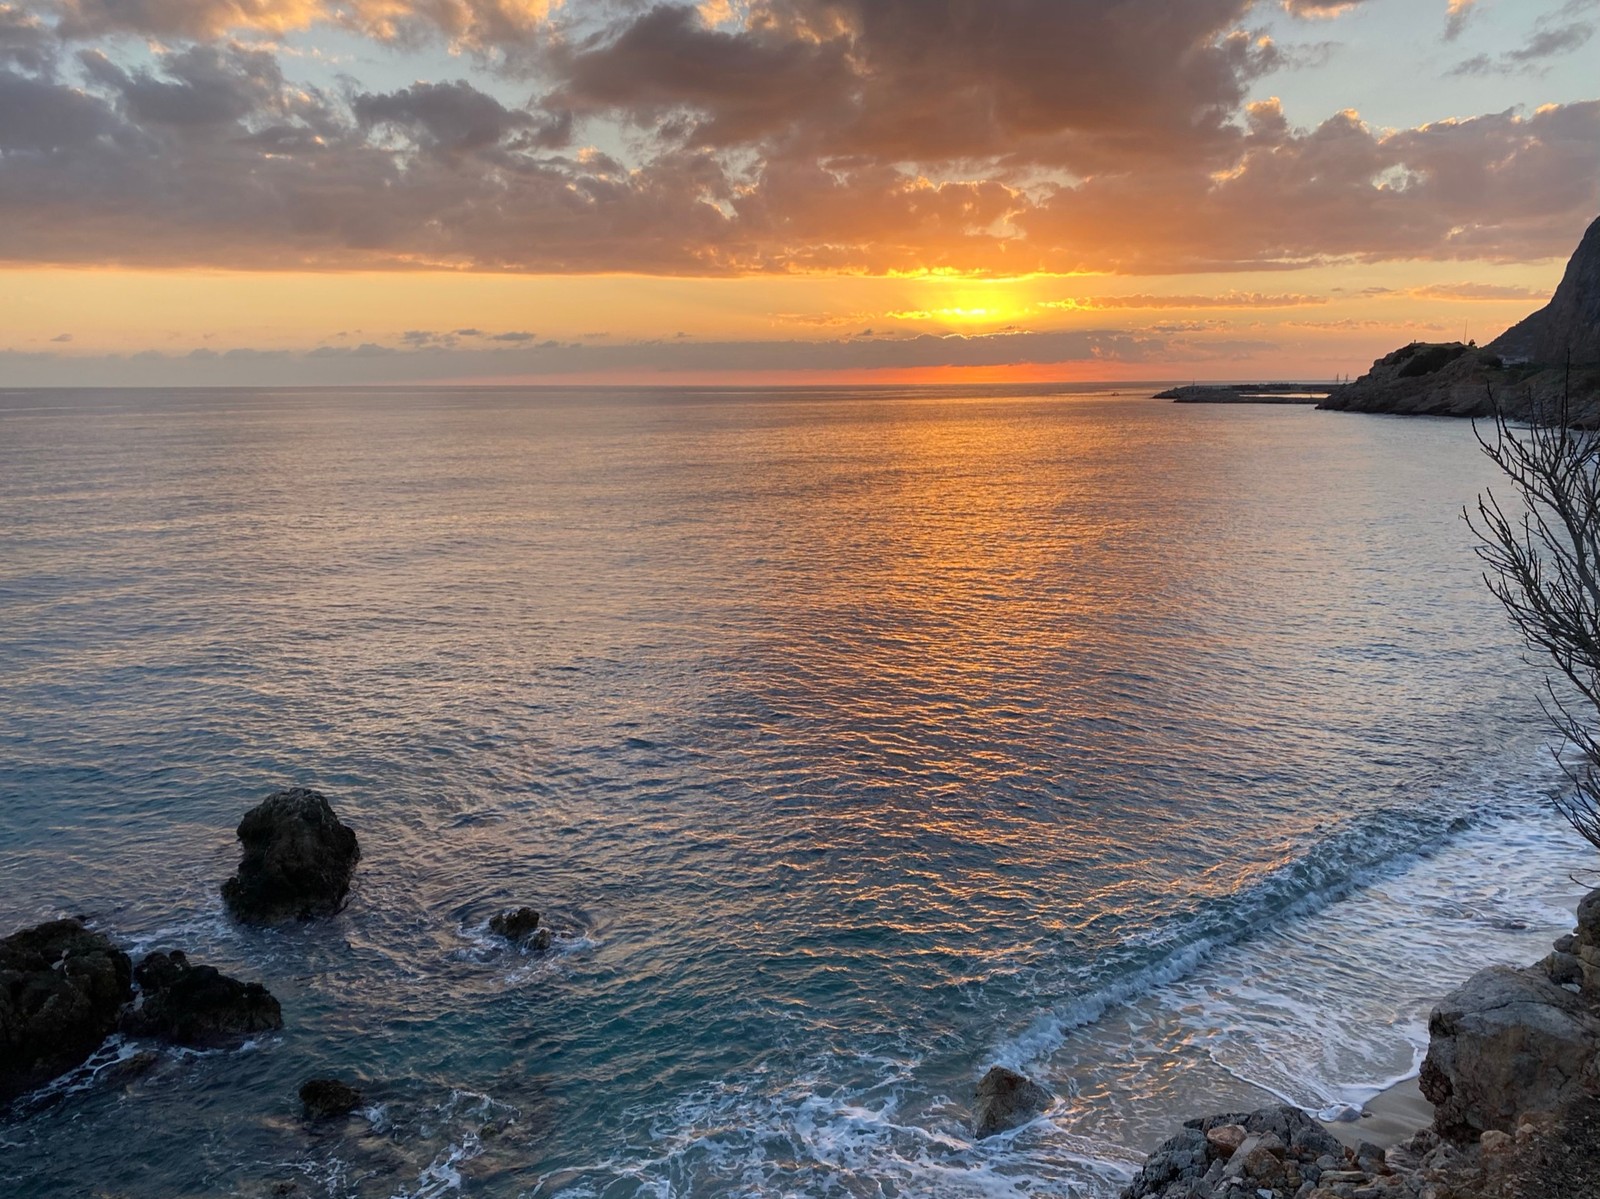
811,135
1545,43
1320,9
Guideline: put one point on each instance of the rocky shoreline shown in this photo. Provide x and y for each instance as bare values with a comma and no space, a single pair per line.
1512,1073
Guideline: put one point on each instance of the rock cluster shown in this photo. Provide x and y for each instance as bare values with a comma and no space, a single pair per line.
61,987
521,926
1277,1151
297,863
197,1006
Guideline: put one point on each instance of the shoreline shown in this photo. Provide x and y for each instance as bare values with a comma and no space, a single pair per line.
1391,1116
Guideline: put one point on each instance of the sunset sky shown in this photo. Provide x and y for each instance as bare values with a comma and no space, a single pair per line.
371,191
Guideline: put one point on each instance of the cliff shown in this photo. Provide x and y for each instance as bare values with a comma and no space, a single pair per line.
1525,369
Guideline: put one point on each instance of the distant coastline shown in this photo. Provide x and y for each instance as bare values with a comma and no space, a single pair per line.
1248,393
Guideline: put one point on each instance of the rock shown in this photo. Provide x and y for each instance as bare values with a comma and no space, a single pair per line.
197,1006
521,925
1564,944
297,862
1006,1099
1182,1158
1370,1159
1568,326
1503,1043
61,987
328,1098
1225,1138
1562,968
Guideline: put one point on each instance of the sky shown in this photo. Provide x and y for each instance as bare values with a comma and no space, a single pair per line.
315,192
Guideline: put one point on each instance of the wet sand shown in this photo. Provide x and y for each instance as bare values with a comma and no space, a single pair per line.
1394,1115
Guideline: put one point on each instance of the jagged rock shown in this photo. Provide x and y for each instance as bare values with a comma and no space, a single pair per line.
197,1006
60,989
521,925
328,1098
1225,1138
1503,1043
1570,324
1006,1099
297,862
1562,968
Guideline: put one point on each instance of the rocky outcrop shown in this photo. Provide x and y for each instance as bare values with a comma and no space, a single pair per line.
297,863
1276,1151
1006,1099
1567,328
328,1099
1525,370
197,1006
1584,945
521,927
61,987
1506,1044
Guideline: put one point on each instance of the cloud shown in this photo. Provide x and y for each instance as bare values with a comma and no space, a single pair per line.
1317,10
861,136
62,337
1460,11
1227,300
1547,41
1477,292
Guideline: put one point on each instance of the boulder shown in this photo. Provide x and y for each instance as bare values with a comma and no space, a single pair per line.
60,989
197,1006
1504,1043
1586,944
328,1098
297,862
1007,1099
521,925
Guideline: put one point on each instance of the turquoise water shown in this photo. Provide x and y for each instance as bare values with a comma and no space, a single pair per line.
852,742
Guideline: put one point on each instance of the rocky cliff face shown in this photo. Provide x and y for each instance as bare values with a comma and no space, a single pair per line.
1569,324
1525,369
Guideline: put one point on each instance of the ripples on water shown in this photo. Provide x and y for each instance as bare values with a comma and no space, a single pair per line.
853,741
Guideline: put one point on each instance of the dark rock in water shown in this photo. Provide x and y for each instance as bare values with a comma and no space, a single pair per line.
1007,1099
197,1006
522,926
328,1098
1505,1043
61,987
297,863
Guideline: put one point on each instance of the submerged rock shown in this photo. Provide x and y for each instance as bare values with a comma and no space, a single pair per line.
1503,1044
328,1098
197,1006
521,925
1007,1099
297,863
60,989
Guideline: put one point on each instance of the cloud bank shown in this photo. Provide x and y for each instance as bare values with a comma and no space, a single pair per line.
869,136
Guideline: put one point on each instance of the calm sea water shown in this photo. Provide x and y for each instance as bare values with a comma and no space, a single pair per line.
854,742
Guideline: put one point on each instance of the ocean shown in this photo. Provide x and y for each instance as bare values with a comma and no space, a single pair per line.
852,741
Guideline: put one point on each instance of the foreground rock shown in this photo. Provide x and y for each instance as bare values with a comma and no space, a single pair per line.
521,926
197,1006
61,987
1505,1044
328,1099
297,863
1525,369
1006,1099
1276,1151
